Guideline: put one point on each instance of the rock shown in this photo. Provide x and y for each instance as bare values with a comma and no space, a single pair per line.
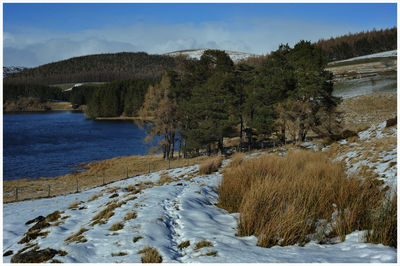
114,195
8,253
34,256
37,219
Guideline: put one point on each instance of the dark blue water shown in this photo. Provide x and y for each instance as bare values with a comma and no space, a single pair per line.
45,144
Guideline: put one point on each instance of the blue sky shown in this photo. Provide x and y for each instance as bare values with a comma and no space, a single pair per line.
35,34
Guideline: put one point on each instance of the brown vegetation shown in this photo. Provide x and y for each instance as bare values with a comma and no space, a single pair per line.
202,244
95,196
281,198
150,255
130,216
211,165
77,237
117,226
184,245
113,170
364,110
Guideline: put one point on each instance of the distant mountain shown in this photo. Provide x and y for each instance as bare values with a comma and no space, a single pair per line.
9,70
197,53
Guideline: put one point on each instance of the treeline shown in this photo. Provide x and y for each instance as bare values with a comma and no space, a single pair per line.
92,68
286,97
359,44
112,99
44,93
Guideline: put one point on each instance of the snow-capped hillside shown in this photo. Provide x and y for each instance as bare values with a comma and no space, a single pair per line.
113,223
197,53
7,71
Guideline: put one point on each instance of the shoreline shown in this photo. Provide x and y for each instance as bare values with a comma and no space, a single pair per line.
97,173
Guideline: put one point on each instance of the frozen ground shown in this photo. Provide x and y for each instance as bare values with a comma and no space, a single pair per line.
167,215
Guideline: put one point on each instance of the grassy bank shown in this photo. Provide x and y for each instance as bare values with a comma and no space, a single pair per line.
112,170
303,196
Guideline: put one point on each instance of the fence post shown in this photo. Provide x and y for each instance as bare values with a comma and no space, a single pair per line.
49,191
149,167
77,185
103,178
127,172
16,193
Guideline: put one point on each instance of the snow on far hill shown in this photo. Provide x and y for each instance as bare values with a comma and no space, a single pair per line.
382,54
183,209
197,53
7,71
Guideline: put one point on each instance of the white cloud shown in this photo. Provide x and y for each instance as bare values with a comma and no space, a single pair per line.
32,47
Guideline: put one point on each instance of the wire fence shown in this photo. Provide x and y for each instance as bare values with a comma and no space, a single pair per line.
28,189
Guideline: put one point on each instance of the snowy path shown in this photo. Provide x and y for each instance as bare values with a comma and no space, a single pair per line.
166,216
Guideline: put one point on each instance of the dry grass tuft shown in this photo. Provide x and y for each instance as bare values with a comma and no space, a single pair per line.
184,245
384,224
150,255
130,216
95,196
165,178
103,216
211,254
237,159
202,244
117,226
211,165
281,198
74,205
52,217
77,237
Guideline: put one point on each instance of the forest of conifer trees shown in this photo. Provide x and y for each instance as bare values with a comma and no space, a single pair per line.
287,96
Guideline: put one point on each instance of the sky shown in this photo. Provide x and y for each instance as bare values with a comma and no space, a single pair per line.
36,34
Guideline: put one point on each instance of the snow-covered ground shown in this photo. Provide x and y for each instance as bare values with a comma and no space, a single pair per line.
167,215
197,53
376,150
383,54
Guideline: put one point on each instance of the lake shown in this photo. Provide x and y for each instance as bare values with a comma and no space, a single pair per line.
46,144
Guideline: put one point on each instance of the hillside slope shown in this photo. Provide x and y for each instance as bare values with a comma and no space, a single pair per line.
96,68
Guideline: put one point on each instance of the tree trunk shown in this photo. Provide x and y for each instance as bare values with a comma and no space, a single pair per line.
173,145
221,145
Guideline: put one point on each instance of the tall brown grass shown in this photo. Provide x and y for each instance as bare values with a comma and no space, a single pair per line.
211,165
384,225
280,199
